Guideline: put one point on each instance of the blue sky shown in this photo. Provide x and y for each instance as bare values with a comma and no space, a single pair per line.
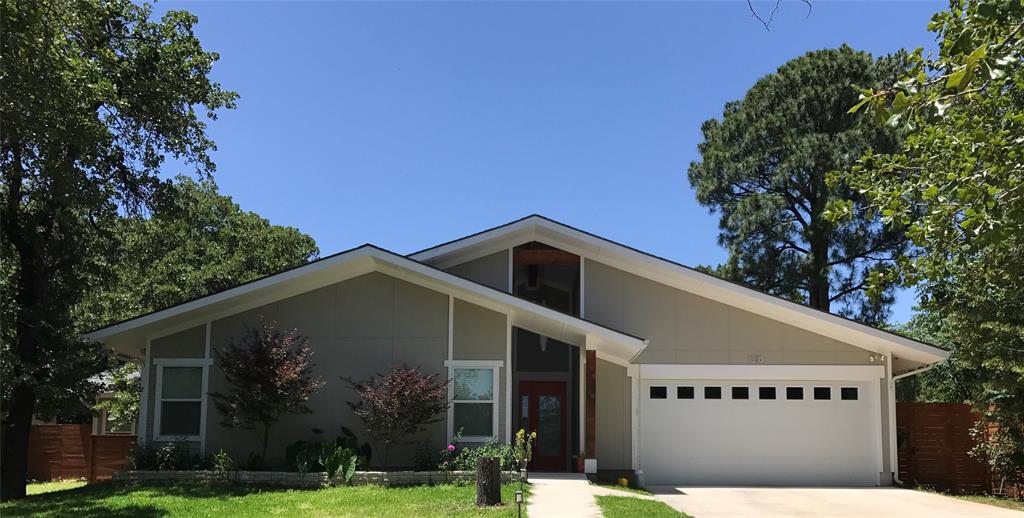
410,124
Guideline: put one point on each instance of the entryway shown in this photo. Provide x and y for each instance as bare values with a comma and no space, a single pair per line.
545,381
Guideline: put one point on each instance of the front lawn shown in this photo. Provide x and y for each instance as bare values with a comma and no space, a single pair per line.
117,501
628,507
38,488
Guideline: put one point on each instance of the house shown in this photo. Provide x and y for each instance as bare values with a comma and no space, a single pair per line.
645,365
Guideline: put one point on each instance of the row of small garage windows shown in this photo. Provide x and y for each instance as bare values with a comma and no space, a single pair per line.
713,392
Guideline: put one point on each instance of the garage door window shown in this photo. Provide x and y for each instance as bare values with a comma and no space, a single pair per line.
794,392
848,393
822,393
766,392
712,392
741,393
684,392
659,392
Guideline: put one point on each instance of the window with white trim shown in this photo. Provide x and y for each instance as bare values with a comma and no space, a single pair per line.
474,391
180,398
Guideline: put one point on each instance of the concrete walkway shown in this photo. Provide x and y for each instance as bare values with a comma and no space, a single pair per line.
558,495
823,502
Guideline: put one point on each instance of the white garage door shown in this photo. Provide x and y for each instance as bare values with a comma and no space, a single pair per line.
753,433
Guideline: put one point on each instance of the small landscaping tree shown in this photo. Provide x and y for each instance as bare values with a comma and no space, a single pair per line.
126,384
272,375
398,404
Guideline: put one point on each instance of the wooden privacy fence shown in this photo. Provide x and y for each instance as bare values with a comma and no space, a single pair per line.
934,440
70,451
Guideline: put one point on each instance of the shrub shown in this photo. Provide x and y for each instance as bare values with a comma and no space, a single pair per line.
465,457
304,456
398,404
271,373
172,456
223,462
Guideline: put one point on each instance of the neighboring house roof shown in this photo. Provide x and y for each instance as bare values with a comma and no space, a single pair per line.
611,344
590,246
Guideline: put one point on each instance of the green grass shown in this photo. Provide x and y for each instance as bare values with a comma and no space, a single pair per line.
628,506
123,501
38,488
637,490
997,501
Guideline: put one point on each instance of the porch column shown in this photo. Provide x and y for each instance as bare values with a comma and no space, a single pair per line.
590,403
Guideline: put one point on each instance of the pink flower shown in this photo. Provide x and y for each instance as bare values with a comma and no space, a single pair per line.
451,447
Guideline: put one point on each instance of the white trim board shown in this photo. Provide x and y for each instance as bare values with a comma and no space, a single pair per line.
591,247
762,372
367,259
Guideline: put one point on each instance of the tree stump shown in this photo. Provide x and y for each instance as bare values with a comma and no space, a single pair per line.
488,481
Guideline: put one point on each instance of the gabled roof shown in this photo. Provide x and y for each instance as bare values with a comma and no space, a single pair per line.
590,246
611,344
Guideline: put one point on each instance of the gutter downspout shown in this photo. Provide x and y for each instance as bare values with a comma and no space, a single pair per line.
894,463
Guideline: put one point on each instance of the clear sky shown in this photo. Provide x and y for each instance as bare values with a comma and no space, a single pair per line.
409,124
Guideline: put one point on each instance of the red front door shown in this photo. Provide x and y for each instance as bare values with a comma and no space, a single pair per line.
543,409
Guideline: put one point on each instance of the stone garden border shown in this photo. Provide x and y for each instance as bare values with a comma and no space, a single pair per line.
306,480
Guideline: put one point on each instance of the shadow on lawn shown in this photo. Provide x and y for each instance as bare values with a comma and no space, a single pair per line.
94,500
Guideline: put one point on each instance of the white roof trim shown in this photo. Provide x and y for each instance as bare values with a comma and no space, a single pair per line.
366,259
589,246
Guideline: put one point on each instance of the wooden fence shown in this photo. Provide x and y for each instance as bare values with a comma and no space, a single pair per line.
934,440
70,451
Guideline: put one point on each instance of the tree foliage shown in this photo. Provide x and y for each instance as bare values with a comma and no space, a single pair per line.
96,94
195,242
125,383
957,186
271,375
398,404
763,168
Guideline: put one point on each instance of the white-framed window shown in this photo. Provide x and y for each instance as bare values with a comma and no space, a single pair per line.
180,399
473,393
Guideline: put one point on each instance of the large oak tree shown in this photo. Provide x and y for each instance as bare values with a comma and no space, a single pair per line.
763,169
95,95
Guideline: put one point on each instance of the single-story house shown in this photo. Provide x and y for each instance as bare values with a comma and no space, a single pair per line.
649,367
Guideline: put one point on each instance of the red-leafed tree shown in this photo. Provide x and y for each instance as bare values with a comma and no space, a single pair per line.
272,375
398,404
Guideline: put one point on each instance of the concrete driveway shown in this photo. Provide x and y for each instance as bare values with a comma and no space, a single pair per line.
778,502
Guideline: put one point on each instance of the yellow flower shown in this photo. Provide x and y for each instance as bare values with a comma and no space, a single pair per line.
533,435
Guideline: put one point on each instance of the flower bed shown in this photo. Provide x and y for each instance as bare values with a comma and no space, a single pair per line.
293,479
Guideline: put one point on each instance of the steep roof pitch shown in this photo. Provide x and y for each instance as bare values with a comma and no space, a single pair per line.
590,246
614,345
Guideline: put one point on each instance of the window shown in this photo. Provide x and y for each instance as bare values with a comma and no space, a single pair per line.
823,393
848,393
712,392
180,398
659,392
741,393
766,392
684,392
794,392
474,394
